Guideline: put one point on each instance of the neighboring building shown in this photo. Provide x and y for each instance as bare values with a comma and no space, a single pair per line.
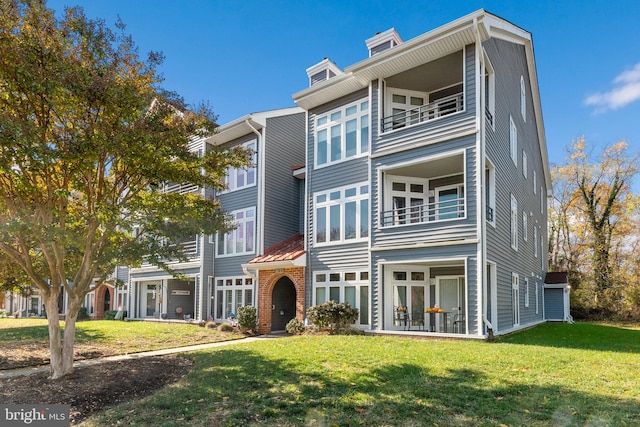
426,181
264,201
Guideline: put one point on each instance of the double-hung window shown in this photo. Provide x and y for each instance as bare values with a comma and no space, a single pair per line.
342,134
241,240
350,287
342,214
238,178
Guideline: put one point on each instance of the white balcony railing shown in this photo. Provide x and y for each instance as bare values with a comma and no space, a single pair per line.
429,212
441,107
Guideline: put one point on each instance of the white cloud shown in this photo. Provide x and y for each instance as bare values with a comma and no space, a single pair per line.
625,91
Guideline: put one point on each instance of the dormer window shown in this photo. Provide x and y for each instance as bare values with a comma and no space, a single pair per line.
383,41
322,71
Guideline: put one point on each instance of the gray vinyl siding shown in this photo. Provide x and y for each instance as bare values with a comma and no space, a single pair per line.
433,231
554,304
122,274
450,126
236,200
186,302
509,64
339,257
283,149
343,257
431,256
207,271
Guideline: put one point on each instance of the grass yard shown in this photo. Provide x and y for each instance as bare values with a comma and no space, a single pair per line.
25,341
555,374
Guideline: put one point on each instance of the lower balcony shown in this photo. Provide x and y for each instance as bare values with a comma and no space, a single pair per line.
425,192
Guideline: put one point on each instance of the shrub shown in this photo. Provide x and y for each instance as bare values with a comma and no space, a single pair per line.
295,327
333,316
3,313
83,314
247,318
110,314
225,327
210,325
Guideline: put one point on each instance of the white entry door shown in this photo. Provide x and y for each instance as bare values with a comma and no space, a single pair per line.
150,301
449,295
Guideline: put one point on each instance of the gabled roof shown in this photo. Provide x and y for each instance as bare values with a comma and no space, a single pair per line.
479,25
248,124
289,252
556,278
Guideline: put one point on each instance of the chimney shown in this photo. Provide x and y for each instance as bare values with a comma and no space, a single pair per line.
322,71
383,41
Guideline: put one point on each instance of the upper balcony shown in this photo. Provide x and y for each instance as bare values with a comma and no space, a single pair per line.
424,93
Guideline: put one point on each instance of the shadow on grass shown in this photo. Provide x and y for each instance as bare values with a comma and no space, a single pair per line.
586,336
240,388
35,334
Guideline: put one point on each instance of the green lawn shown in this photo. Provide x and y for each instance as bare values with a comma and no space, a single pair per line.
555,374
105,336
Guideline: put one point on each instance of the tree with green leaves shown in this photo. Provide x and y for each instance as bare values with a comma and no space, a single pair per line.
87,140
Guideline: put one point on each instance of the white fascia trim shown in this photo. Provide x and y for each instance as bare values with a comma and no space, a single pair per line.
325,64
390,35
411,146
426,245
239,126
555,285
174,266
301,261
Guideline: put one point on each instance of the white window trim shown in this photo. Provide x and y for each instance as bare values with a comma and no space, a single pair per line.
343,283
513,141
514,223
526,292
358,198
515,298
525,228
537,296
437,191
492,190
535,182
535,241
247,284
239,223
361,111
523,99
231,176
524,164
491,101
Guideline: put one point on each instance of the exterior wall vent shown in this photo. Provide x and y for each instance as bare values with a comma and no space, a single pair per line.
383,41
322,71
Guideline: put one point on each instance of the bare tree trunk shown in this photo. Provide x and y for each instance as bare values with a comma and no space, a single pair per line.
55,340
61,346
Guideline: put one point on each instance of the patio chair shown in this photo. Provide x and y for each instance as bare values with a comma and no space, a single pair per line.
459,323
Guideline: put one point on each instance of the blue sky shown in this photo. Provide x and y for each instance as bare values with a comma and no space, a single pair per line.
251,56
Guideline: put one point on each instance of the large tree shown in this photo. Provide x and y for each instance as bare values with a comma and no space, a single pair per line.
592,217
87,140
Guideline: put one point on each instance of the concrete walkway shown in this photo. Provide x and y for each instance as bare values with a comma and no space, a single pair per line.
10,373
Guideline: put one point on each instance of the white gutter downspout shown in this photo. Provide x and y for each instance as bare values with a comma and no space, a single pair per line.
261,163
481,202
260,222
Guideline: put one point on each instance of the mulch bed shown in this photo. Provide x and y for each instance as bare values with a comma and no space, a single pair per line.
91,389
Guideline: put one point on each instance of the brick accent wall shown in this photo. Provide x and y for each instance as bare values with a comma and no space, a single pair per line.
267,280
101,290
